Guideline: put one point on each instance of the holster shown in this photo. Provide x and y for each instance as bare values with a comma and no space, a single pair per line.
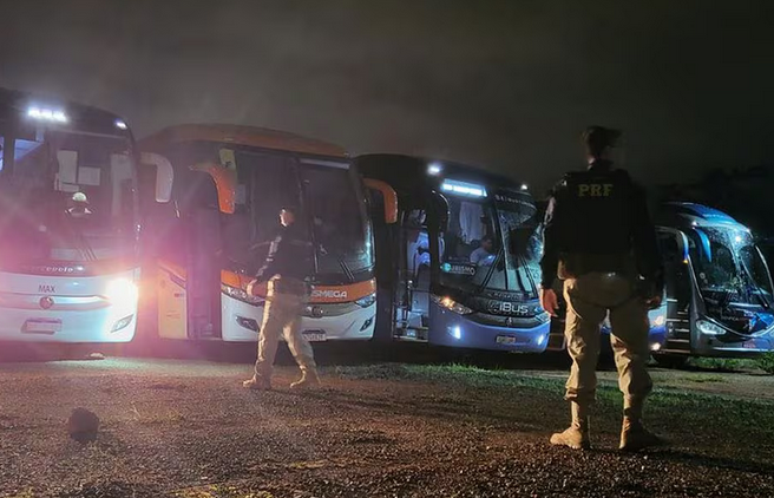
647,289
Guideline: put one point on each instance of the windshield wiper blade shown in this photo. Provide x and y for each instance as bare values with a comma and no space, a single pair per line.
346,268
758,291
491,270
532,283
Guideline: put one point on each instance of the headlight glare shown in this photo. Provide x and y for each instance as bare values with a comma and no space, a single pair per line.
122,291
451,305
709,328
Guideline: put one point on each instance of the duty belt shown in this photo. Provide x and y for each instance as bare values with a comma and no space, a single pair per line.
578,264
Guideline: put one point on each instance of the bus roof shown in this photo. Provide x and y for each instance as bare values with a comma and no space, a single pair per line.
56,112
402,172
251,136
685,214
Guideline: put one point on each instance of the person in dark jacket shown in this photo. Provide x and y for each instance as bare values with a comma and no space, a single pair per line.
600,240
286,268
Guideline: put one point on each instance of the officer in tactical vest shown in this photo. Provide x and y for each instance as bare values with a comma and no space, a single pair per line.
286,268
599,239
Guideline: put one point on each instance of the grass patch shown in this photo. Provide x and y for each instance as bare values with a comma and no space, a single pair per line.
750,418
723,364
766,363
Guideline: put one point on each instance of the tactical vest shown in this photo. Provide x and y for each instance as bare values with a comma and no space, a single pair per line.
596,232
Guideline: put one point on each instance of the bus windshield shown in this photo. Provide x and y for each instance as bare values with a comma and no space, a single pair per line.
338,221
729,266
68,198
333,210
476,249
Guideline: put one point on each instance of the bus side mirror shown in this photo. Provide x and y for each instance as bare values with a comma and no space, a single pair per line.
165,175
225,183
390,198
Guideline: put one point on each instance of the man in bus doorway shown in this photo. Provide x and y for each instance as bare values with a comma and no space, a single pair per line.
286,267
599,239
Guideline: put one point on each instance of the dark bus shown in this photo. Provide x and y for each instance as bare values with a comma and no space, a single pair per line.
460,268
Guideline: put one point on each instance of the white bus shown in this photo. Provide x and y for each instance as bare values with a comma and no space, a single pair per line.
230,183
69,223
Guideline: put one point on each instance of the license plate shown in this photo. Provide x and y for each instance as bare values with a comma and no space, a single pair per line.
505,339
42,326
315,335
750,344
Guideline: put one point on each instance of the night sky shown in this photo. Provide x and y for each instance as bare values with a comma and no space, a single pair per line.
504,84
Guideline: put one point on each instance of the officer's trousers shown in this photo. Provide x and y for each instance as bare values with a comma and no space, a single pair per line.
282,316
589,297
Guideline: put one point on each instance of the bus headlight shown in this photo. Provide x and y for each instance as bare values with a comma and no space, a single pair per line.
365,302
451,305
123,291
240,295
709,328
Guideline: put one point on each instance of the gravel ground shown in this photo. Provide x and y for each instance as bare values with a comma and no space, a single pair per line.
188,429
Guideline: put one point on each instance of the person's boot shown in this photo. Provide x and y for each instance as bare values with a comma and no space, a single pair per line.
577,435
634,435
309,378
258,383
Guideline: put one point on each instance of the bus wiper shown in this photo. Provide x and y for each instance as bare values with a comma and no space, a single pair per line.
344,266
523,262
491,270
758,291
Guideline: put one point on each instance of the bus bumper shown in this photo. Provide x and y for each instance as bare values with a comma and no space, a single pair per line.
77,311
753,346
450,329
241,322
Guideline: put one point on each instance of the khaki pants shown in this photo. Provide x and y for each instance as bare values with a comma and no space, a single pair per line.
282,316
589,297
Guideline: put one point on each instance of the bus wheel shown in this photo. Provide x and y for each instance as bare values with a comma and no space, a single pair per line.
671,361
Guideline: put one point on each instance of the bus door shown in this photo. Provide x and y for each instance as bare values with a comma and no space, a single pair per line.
415,275
679,289
189,266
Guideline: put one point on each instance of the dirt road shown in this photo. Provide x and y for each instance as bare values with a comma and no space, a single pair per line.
188,429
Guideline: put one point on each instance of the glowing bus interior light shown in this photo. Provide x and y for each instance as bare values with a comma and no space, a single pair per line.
120,124
47,114
461,188
434,169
